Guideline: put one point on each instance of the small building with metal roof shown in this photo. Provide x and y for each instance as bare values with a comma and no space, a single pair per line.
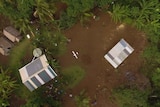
118,53
37,73
5,46
12,34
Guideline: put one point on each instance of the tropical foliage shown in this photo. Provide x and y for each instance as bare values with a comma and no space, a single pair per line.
23,24
54,63
82,100
85,17
55,42
7,86
103,3
120,12
130,97
65,21
22,12
141,12
77,7
44,11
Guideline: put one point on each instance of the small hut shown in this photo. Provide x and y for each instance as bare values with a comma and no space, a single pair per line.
12,34
5,46
37,73
118,53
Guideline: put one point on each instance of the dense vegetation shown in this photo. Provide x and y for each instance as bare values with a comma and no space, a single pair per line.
7,86
36,17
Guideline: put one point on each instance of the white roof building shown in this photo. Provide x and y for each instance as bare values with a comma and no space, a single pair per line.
118,53
37,73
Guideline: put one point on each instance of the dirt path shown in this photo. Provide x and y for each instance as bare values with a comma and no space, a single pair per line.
92,43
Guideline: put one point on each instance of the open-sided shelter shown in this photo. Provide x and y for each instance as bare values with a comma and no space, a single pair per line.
37,73
5,46
118,53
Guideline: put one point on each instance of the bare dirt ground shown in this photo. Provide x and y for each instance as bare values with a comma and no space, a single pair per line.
92,43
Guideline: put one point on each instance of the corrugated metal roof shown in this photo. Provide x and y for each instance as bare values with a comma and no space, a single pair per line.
5,43
34,67
37,73
12,31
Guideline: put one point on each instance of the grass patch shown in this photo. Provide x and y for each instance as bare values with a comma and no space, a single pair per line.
73,75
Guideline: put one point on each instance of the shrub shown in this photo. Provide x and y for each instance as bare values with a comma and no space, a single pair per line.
82,100
65,21
120,13
53,43
130,97
7,84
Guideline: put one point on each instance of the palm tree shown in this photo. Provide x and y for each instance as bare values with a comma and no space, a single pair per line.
24,25
147,13
153,26
147,8
119,12
44,11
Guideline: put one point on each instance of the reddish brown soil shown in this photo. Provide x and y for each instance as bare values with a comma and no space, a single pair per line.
92,43
16,101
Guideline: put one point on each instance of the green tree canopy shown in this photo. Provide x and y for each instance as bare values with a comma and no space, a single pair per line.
77,7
